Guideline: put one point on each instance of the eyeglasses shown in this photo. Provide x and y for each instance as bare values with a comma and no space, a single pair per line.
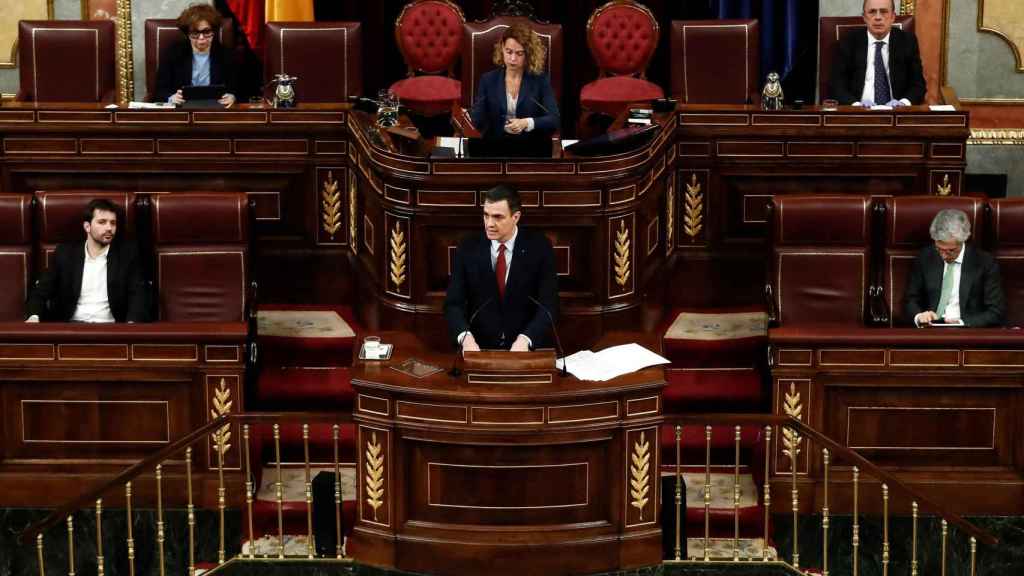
204,33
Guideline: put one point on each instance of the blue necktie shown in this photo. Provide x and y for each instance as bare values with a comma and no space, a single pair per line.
882,93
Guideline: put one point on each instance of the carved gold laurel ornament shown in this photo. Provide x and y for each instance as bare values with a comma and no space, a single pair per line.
693,215
374,474
330,198
622,262
793,406
670,215
353,239
945,188
640,474
398,254
222,406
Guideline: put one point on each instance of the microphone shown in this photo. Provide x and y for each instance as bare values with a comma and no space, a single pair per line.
541,106
558,342
455,372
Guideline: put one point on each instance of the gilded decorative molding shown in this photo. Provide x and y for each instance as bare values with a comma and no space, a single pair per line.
222,406
398,254
907,7
1004,14
353,208
640,474
622,261
670,215
374,474
793,407
693,214
331,204
997,137
125,63
945,188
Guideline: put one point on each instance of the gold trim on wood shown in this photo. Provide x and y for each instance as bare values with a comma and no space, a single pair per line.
330,202
907,7
997,137
399,248
623,263
945,188
793,407
989,27
221,407
374,474
125,63
353,238
670,214
640,475
693,210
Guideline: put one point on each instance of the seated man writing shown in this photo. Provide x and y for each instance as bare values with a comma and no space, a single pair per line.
96,280
498,278
952,281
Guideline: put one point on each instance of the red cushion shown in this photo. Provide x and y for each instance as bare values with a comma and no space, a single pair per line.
429,95
729,390
611,95
623,39
303,389
430,35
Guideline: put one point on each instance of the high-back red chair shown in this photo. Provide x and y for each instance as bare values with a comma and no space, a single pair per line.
821,258
478,42
201,242
1007,239
622,36
307,49
59,218
15,255
162,33
730,75
831,31
429,35
66,61
907,219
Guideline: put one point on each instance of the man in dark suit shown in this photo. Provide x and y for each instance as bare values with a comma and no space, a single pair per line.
496,277
953,281
881,66
96,280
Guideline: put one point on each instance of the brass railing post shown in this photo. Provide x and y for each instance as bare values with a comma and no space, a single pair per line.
160,535
856,521
913,539
767,488
222,504
707,493
679,493
130,539
974,555
885,529
736,497
945,535
279,492
337,494
824,515
191,514
248,489
39,554
99,537
309,492
71,545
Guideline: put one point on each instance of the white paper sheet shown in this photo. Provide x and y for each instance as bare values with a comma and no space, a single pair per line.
942,108
610,362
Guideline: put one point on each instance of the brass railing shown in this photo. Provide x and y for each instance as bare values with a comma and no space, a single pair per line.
796,433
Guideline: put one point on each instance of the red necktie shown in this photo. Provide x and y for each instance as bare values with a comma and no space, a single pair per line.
499,271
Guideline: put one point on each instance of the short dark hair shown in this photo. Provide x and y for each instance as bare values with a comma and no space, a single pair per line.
864,6
98,204
505,192
191,16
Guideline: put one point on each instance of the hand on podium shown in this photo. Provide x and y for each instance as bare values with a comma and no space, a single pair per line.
522,344
469,344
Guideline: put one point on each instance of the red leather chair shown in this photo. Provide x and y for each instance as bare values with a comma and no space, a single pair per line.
831,30
1008,248
201,241
59,218
478,42
907,219
820,261
162,33
15,255
66,61
622,36
429,35
325,56
715,61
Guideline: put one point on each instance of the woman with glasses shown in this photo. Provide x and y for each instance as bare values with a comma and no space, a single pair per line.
201,61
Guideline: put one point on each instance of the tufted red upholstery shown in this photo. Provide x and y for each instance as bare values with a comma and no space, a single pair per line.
715,61
478,43
66,61
201,245
307,49
162,33
831,30
1008,248
429,35
906,232
622,36
59,218
15,255
821,250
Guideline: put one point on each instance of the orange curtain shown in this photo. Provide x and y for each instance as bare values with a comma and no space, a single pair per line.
289,10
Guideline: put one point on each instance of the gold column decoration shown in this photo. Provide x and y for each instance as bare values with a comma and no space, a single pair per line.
221,407
221,494
793,406
945,188
907,7
913,545
945,541
670,216
622,261
767,489
39,554
640,474
330,203
693,214
125,64
374,475
353,209
398,254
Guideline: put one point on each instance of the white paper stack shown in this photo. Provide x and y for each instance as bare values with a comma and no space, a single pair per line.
610,362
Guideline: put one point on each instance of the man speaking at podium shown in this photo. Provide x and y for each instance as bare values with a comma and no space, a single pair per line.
498,279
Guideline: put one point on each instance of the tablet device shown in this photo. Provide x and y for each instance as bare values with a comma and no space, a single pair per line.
944,324
211,92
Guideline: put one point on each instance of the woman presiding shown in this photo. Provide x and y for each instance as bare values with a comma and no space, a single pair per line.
201,61
516,99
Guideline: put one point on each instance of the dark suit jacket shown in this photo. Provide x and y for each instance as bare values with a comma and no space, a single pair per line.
850,67
536,100
55,295
175,69
473,287
982,302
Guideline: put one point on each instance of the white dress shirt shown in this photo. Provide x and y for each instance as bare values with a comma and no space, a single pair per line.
868,94
93,301
510,105
953,306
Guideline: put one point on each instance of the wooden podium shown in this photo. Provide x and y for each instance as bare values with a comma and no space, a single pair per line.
504,470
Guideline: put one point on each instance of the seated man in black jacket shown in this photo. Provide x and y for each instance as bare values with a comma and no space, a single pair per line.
96,280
